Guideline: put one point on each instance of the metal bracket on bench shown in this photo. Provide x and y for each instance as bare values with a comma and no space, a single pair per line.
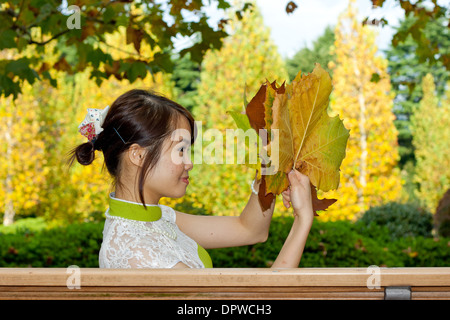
397,293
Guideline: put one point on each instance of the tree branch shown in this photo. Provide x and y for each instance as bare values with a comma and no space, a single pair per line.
31,41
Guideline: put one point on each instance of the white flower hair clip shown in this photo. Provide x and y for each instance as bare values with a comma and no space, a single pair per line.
92,123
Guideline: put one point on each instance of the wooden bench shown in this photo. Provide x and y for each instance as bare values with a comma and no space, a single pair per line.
302,283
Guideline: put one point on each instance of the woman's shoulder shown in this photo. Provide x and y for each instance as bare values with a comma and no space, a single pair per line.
168,213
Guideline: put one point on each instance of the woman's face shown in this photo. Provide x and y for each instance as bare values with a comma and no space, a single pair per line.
170,177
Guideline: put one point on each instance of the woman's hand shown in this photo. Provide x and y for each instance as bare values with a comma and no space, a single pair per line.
298,195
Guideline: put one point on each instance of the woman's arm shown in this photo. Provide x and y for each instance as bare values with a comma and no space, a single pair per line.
299,195
254,219
251,226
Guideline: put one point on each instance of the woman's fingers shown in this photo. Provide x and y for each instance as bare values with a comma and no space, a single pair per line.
286,203
297,178
298,184
286,198
300,194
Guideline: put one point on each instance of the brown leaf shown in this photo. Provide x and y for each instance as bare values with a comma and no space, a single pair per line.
113,69
319,204
88,30
377,3
265,200
13,251
135,37
222,23
291,6
44,67
255,109
62,65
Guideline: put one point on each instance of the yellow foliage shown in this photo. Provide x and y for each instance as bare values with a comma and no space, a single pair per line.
430,125
369,176
22,155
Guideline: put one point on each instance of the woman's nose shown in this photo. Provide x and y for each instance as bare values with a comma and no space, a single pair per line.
188,165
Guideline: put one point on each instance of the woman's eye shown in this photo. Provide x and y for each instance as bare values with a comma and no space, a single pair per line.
183,150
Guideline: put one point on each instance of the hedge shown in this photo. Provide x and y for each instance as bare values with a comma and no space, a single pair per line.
76,244
340,244
330,244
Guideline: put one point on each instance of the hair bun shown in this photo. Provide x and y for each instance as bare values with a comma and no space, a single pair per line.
85,153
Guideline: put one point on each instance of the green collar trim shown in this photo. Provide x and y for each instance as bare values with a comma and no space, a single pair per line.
133,210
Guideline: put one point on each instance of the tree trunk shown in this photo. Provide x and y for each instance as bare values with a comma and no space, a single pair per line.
8,217
362,139
363,146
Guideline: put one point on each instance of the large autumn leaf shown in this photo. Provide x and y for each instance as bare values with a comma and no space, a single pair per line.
308,139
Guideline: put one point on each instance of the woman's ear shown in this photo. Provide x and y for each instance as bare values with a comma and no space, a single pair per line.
136,154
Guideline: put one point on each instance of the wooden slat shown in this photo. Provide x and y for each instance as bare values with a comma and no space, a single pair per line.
104,293
427,289
187,289
305,283
436,295
194,296
347,277
222,293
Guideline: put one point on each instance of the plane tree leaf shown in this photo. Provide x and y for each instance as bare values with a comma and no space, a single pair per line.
295,117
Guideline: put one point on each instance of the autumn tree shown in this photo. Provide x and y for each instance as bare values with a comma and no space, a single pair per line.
82,27
368,173
22,155
407,70
431,135
247,58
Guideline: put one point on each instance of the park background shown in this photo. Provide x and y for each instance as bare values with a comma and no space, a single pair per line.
391,210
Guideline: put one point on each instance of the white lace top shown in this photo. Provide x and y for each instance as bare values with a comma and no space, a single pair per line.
137,238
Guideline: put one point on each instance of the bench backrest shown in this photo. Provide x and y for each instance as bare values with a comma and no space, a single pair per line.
302,283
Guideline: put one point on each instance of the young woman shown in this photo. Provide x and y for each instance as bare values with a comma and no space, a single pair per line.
145,139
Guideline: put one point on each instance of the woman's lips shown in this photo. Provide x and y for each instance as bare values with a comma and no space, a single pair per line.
185,180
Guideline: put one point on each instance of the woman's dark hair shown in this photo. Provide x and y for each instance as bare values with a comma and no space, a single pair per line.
137,116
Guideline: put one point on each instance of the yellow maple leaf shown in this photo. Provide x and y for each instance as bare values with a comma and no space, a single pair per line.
308,139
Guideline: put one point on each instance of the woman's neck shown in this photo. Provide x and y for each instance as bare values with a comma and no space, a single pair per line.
120,193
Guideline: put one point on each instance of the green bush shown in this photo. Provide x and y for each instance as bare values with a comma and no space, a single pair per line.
76,244
442,215
24,226
330,244
394,221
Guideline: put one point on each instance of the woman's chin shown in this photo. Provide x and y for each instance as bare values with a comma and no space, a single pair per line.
179,194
